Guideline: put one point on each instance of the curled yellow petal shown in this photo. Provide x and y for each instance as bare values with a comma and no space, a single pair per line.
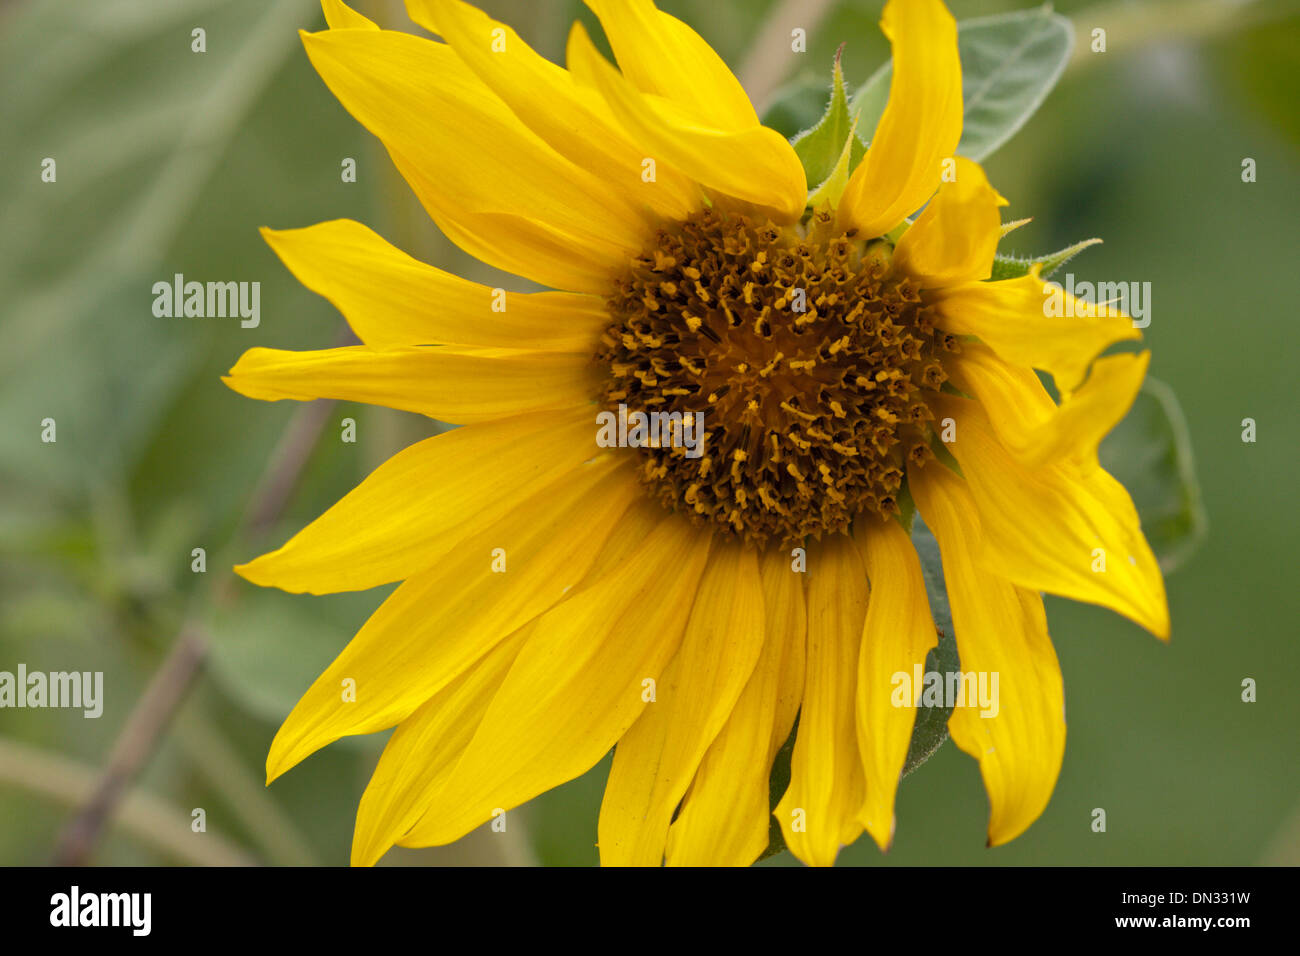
474,157
896,636
920,127
1055,528
1027,321
568,115
1016,729
754,164
819,812
955,238
663,56
1033,428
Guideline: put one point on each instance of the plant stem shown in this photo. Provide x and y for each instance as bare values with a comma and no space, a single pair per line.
145,725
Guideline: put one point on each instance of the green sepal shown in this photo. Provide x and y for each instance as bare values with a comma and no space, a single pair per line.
830,150
1013,267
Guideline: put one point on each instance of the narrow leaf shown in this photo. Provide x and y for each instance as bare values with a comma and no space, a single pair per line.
931,727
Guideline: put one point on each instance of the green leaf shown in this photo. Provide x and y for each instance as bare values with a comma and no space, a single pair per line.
1009,63
868,102
931,727
1013,267
1150,453
776,787
822,148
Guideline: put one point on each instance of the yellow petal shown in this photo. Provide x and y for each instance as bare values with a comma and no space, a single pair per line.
754,164
656,759
577,685
1018,319
421,754
512,243
819,812
569,116
1019,738
897,635
419,504
340,16
641,518
1056,529
474,156
724,818
920,127
1031,427
440,621
390,299
955,238
661,55
444,382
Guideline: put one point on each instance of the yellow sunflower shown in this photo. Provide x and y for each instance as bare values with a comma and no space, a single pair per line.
684,602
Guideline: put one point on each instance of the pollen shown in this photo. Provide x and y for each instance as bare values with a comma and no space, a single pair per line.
809,357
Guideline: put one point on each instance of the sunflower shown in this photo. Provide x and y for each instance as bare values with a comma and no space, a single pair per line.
686,605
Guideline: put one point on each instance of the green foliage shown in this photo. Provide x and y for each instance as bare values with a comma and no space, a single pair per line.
1009,63
1150,453
166,160
931,727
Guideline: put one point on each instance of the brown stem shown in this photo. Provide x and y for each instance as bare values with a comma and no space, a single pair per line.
151,714
134,745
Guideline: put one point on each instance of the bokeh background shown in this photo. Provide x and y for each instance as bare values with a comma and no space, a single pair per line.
168,161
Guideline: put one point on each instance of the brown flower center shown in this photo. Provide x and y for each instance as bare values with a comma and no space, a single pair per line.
808,357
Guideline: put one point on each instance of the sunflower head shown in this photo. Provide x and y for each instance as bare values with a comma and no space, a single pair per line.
810,355
852,364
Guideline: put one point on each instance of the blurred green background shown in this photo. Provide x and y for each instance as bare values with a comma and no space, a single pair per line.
168,161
